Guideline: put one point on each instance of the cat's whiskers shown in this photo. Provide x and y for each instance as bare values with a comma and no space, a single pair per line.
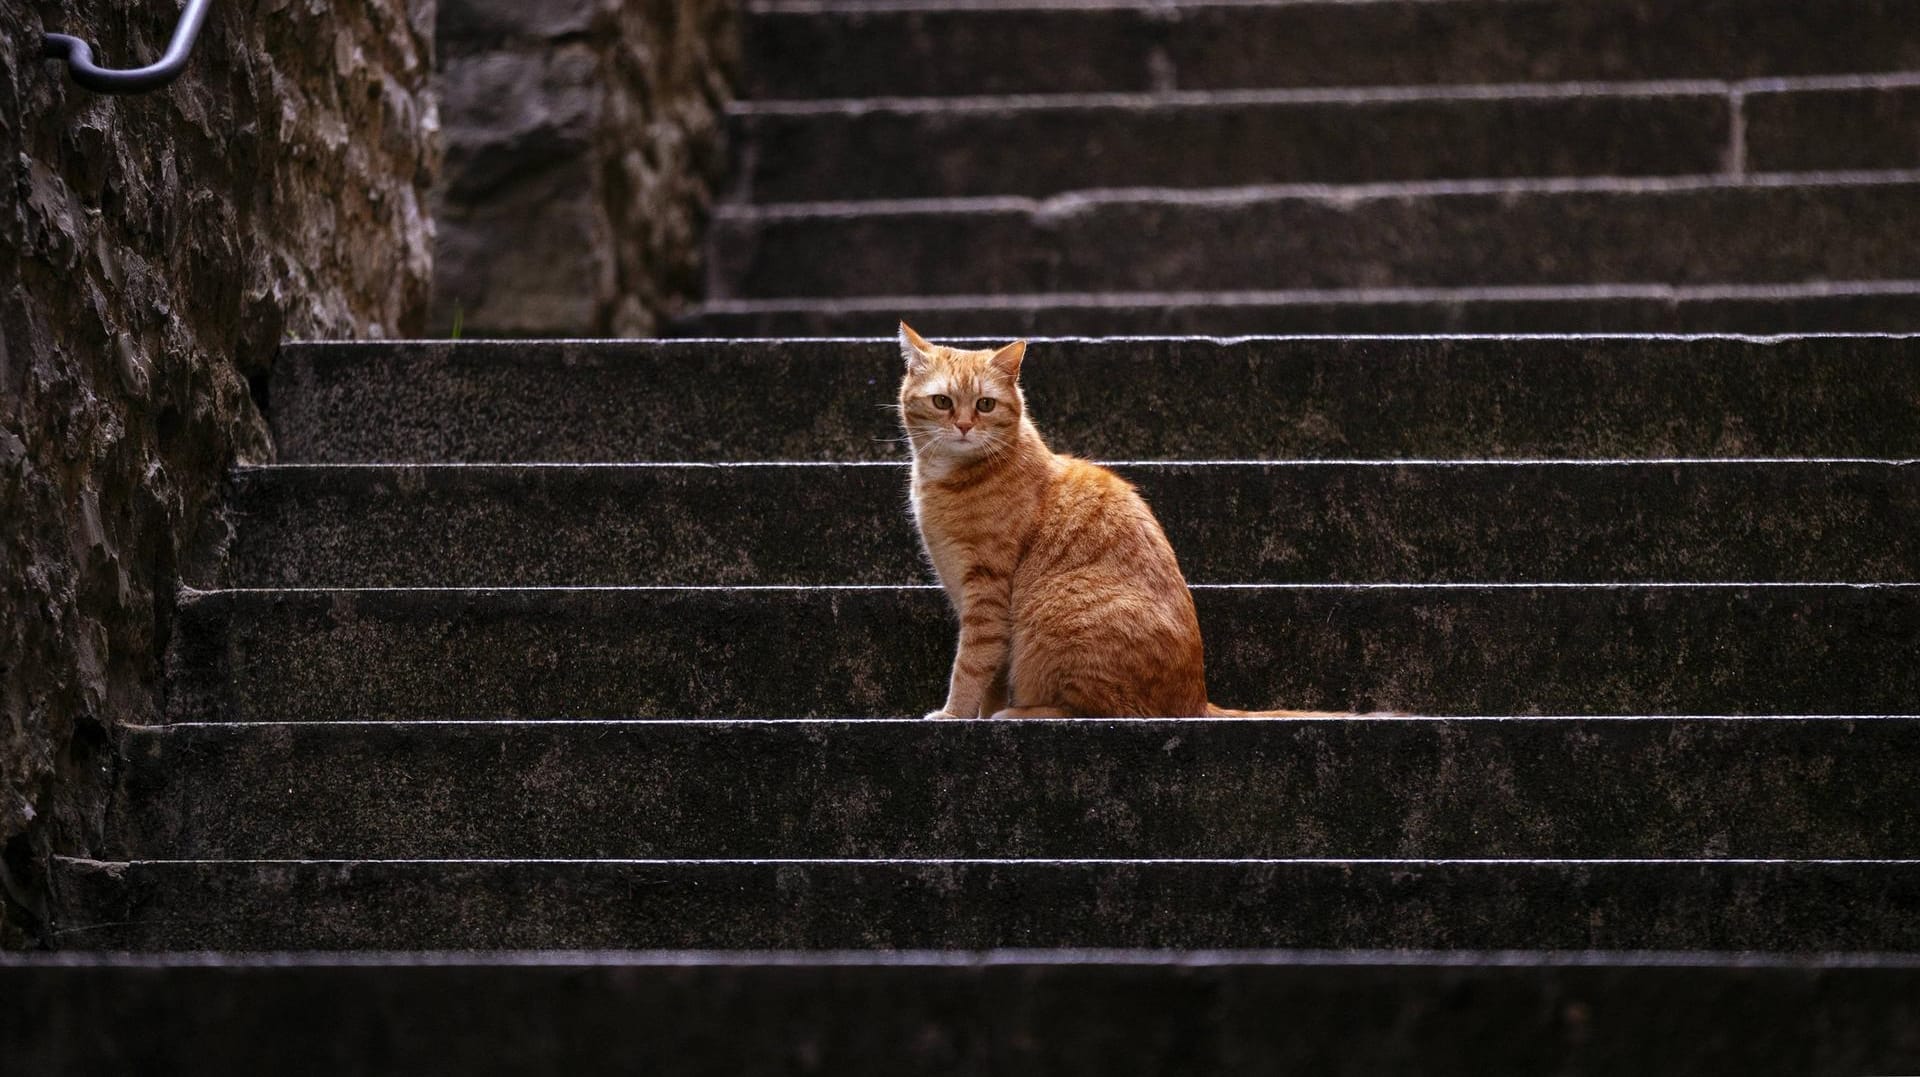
938,438
996,447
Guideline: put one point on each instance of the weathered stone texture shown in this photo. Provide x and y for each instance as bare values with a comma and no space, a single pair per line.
154,251
584,148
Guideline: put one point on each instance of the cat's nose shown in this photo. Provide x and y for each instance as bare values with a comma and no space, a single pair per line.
964,427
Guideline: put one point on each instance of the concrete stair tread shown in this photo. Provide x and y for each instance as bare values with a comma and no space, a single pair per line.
1798,88
855,651
1376,398
1648,230
1833,787
1039,145
410,525
1044,146
1793,906
1796,308
860,49
1005,1011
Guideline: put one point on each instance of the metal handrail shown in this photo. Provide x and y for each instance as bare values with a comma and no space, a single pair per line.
79,57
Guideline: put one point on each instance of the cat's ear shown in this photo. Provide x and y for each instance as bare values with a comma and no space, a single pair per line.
916,351
1007,359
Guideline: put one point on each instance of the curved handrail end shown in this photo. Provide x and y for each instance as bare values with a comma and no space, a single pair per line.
78,56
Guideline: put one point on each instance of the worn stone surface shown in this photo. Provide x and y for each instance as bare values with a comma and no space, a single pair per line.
1355,787
1195,399
584,141
154,251
899,151
1834,129
1869,306
1343,168
883,1014
400,526
1618,232
1041,48
1864,906
715,653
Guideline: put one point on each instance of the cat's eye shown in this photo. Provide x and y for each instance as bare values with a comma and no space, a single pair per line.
943,401
983,405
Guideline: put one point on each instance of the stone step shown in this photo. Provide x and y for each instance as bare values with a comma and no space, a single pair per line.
1421,398
1798,906
1005,1012
1836,787
494,525
1039,146
839,49
541,653
1818,307
1837,127
1683,231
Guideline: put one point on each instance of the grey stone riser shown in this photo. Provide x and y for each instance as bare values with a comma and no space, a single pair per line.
1034,1013
892,148
1875,306
1864,127
843,51
1229,523
811,905
715,653
1358,787
1165,399
1628,231
868,150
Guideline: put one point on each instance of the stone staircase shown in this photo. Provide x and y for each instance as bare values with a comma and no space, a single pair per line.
552,712
1386,166
557,691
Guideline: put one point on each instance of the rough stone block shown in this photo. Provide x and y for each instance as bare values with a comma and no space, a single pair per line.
584,141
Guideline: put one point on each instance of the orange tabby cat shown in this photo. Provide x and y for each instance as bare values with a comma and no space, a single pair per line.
1071,603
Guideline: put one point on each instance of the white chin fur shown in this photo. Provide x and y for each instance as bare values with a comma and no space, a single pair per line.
957,448
938,454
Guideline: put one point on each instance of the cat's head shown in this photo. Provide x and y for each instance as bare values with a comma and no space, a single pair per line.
960,404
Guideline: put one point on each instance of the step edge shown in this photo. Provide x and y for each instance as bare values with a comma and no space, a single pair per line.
1009,957
719,725
190,595
1287,297
1399,863
299,469
1348,196
1359,94
1362,95
310,349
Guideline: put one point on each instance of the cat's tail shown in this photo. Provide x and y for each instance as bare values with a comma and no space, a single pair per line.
1228,712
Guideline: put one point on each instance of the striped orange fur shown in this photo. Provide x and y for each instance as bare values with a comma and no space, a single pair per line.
1071,603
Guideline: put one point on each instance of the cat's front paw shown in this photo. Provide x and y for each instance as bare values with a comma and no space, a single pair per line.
940,714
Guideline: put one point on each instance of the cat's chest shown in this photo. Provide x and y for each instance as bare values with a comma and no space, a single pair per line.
951,549
958,539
